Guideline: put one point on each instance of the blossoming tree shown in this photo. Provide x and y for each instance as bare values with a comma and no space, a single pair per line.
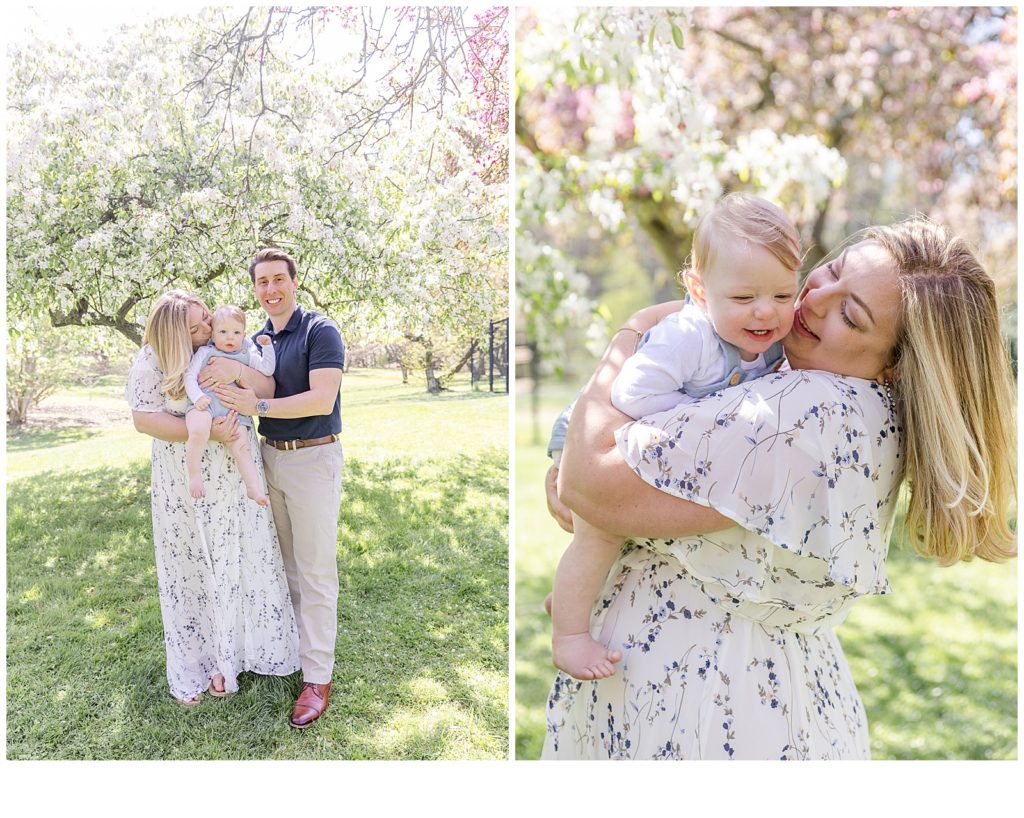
152,162
637,119
611,127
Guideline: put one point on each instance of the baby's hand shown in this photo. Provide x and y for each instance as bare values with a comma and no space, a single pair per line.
203,402
262,340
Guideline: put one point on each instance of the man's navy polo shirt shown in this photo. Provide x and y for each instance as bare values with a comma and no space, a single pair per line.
309,341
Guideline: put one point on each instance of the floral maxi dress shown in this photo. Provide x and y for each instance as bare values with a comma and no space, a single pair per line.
223,595
727,638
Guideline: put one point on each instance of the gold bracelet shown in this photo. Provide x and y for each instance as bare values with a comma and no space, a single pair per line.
639,335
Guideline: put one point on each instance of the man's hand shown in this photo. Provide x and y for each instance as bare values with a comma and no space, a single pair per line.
219,371
240,400
225,429
556,508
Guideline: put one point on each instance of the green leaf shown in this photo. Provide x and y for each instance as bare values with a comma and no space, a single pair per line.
650,39
677,35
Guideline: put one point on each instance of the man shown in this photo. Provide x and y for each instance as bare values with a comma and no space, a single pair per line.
302,457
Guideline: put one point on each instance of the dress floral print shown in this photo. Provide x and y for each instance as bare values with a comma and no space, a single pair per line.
223,594
727,640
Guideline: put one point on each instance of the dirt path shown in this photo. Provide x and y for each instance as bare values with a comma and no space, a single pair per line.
55,413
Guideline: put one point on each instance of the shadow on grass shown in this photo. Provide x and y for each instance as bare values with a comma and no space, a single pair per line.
424,557
934,706
422,615
534,671
21,440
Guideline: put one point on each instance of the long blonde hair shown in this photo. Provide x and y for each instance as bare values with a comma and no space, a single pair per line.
167,332
955,394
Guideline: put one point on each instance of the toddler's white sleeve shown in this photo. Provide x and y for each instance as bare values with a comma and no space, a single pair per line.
650,379
262,358
192,374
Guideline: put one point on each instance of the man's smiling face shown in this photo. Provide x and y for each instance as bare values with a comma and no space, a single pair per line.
275,288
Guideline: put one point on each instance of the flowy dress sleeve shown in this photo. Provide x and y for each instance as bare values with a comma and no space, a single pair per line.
807,464
143,391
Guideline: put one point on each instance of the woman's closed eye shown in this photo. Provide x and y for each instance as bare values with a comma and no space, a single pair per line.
846,317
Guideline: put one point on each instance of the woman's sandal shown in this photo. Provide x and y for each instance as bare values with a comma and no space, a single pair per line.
190,702
213,691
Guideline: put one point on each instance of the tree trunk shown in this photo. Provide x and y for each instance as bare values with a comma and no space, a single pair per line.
27,391
462,361
395,353
17,409
672,240
433,384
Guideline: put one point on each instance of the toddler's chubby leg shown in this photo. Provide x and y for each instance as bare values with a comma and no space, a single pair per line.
198,422
581,572
247,466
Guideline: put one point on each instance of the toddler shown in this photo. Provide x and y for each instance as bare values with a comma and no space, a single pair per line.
228,341
741,288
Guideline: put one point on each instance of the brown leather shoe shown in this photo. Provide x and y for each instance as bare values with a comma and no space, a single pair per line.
310,705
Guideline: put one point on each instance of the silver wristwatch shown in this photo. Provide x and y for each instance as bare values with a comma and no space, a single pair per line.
262,407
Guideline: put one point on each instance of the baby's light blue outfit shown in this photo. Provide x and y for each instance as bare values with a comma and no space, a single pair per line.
262,359
680,359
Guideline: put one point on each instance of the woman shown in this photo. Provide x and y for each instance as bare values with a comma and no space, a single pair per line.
223,595
898,374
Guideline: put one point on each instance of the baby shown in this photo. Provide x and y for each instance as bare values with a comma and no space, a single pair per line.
228,341
741,288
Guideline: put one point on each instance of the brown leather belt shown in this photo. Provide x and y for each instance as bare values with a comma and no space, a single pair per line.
292,445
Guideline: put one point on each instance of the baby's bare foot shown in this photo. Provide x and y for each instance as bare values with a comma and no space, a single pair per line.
195,487
583,657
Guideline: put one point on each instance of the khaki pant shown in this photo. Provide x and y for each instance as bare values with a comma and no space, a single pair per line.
305,495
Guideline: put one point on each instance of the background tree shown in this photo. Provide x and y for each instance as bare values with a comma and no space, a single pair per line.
614,136
921,102
167,156
40,360
630,122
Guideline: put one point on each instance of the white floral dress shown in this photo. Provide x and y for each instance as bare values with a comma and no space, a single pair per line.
727,640
223,594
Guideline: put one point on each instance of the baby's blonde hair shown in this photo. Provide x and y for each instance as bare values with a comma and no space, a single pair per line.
229,312
955,394
748,217
167,332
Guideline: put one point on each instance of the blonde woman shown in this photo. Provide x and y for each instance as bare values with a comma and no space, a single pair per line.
761,513
223,595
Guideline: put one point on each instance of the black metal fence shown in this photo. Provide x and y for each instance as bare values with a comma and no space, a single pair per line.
488,362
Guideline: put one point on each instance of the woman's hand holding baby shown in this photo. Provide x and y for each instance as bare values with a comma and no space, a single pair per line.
241,400
220,371
225,429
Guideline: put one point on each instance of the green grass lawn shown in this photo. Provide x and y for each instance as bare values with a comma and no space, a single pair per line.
935,661
422,657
